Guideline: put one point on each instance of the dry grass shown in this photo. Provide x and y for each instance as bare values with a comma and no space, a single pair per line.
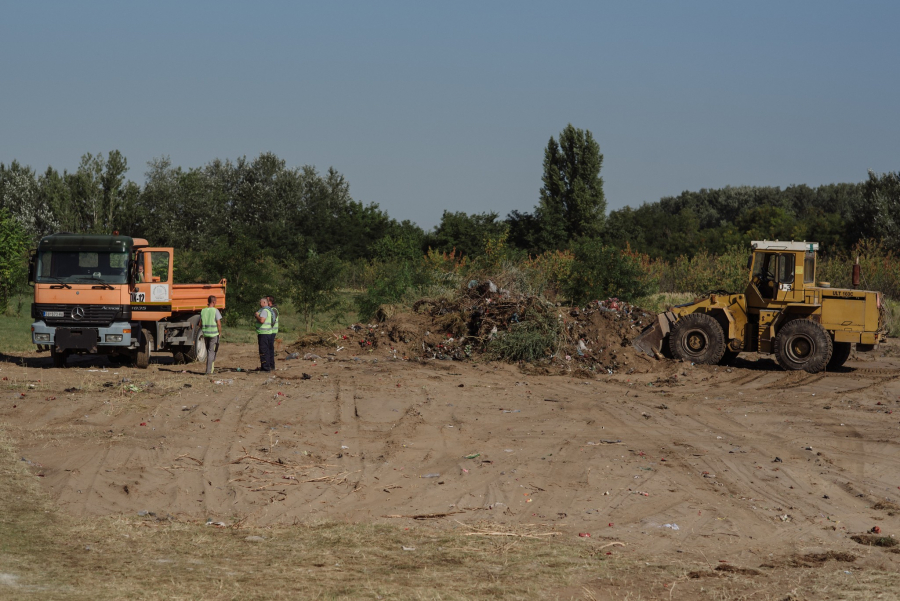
664,300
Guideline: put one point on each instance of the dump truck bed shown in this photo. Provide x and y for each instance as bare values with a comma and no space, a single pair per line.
193,297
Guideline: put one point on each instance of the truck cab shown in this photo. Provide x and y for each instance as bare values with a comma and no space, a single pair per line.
113,295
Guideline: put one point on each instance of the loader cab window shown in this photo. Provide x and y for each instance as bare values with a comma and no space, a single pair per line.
785,271
764,274
809,268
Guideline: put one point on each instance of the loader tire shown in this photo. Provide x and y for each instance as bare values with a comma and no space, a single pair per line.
803,344
697,338
839,355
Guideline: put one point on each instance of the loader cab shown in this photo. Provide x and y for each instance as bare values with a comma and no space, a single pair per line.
781,271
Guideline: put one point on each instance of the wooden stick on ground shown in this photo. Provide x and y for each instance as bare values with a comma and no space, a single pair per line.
186,456
424,516
516,534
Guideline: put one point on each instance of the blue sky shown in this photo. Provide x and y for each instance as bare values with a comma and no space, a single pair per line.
428,106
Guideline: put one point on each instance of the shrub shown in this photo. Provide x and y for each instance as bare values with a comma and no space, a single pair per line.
600,272
13,244
315,284
395,282
535,337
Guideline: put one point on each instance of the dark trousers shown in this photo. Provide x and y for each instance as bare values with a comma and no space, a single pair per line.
266,351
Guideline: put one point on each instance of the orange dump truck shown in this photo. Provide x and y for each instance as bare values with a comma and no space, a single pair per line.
114,295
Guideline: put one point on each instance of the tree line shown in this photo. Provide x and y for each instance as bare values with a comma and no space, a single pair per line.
259,221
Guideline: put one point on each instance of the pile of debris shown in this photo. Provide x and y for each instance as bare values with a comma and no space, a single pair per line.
485,321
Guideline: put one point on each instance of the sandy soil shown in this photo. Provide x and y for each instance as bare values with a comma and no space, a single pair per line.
743,464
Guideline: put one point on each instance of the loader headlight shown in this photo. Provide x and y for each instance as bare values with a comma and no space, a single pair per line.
114,338
42,337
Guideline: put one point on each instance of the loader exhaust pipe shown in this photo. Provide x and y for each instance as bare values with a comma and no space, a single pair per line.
856,271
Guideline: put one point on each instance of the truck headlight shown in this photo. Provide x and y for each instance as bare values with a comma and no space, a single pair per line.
42,337
114,338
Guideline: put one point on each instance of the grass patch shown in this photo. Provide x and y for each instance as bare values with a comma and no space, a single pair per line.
892,317
291,326
15,326
664,300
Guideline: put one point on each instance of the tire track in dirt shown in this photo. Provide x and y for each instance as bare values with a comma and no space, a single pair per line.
879,382
221,450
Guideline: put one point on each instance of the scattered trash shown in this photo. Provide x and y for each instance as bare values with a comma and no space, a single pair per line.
473,456
408,548
672,526
311,357
292,356
431,476
229,381
584,534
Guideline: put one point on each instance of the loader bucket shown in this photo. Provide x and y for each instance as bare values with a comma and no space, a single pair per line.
651,339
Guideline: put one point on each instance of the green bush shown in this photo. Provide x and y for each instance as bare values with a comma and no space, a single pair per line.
535,337
315,284
13,270
395,282
600,272
892,318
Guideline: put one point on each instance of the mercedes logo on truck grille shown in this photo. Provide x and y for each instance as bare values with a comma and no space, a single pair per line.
78,313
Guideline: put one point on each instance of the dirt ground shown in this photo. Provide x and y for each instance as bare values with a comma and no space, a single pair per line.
745,466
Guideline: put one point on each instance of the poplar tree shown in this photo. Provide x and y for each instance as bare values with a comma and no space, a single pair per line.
572,203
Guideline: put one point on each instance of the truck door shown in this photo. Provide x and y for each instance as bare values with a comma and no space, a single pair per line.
151,296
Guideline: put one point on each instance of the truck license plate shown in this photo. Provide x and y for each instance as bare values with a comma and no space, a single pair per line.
53,314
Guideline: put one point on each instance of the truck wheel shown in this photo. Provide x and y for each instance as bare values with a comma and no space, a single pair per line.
142,356
803,344
59,357
197,351
839,355
697,338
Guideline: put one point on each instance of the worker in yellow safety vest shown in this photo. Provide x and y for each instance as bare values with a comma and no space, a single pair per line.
211,322
265,335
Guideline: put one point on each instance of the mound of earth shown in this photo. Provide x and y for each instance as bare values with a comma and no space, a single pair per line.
589,340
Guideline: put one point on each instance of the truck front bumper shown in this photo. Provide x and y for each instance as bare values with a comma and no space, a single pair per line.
90,339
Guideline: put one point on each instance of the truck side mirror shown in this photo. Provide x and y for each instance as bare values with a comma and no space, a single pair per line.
32,268
750,262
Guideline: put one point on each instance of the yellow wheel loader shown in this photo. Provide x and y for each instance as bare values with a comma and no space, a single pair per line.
806,324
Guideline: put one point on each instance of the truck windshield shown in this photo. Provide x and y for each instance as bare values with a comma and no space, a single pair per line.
76,267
